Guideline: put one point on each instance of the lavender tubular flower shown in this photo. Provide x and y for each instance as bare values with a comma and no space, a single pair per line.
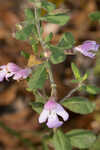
51,112
88,48
3,73
12,69
22,74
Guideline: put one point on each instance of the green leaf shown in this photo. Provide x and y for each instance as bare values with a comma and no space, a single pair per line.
92,89
95,16
48,6
97,65
26,55
76,71
96,145
20,35
60,141
25,32
38,97
67,41
57,55
60,19
35,31
81,138
29,14
34,44
75,81
85,76
45,147
38,78
82,88
79,105
49,37
37,106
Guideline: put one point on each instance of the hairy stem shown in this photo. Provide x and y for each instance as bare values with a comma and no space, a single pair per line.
48,66
53,85
71,92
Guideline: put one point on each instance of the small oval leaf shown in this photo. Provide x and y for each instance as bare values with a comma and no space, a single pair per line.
79,105
60,19
76,71
37,106
81,138
92,89
61,142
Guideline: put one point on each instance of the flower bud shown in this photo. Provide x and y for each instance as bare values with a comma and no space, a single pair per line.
47,54
19,27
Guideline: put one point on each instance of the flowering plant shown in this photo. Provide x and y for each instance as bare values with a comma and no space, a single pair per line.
39,70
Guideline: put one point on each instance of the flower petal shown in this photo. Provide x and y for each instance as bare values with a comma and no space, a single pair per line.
13,67
87,48
88,45
22,74
97,47
43,116
17,76
61,112
25,72
53,121
2,75
3,67
89,54
50,104
8,75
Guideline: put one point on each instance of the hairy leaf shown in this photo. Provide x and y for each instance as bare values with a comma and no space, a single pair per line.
48,5
76,71
81,138
79,105
60,19
38,78
95,15
37,106
67,41
60,141
57,56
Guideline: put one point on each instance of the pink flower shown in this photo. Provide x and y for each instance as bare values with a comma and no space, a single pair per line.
88,48
12,69
22,74
51,112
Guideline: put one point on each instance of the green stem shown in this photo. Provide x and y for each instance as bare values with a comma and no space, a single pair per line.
48,66
71,92
53,85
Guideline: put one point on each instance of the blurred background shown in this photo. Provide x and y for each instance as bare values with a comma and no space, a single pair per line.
19,127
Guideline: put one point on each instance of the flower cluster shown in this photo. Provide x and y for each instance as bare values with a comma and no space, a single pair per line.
12,69
50,112
88,48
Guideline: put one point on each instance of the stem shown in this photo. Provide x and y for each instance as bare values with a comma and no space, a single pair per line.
53,85
48,66
71,92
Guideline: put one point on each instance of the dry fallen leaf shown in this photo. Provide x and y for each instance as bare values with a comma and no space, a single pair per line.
33,60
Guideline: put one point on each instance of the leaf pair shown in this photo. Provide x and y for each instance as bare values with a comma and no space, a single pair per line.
92,89
77,74
95,16
57,52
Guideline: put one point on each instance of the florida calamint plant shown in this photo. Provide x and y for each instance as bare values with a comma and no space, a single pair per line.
39,70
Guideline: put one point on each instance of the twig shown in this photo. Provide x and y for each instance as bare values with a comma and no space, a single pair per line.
71,92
